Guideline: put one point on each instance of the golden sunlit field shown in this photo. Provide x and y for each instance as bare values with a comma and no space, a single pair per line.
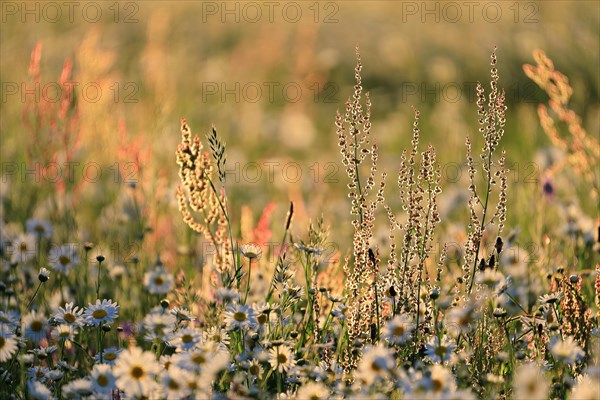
300,200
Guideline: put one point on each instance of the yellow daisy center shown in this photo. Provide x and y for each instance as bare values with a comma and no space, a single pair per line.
36,326
102,380
137,372
99,314
239,316
70,318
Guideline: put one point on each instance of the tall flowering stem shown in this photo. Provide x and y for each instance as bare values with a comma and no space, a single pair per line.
197,195
353,131
492,121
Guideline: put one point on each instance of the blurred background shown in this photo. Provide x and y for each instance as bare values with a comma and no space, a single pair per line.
270,77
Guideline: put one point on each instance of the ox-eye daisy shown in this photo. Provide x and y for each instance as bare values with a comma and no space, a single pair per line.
566,351
8,346
399,329
63,259
439,351
238,316
375,363
34,326
135,371
281,358
70,315
185,339
104,311
102,378
530,383
158,281
109,355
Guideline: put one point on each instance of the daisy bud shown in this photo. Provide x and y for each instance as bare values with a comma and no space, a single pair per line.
392,292
482,264
44,275
373,332
574,279
106,328
499,244
499,313
100,258
164,303
288,220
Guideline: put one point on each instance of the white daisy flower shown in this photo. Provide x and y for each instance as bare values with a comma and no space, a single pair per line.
158,326
399,329
490,278
70,315
8,346
586,389
24,248
109,356
176,382
44,352
104,311
38,373
9,321
281,358
218,336
550,298
35,325
251,251
529,383
194,360
56,374
158,281
441,380
255,370
39,228
514,261
63,332
65,366
566,351
313,390
439,351
185,339
463,319
38,391
226,295
218,361
341,311
64,258
240,317
376,363
135,371
102,378
182,314
78,388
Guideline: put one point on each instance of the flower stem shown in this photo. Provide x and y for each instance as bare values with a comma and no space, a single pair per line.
34,294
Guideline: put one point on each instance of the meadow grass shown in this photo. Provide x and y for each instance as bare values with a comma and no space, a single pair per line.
97,304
